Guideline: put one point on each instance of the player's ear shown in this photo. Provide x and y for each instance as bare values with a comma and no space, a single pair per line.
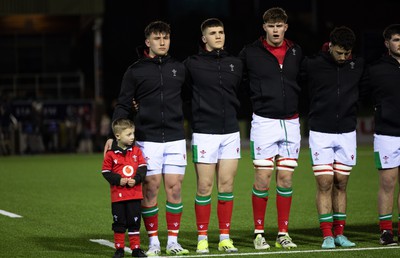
203,38
147,42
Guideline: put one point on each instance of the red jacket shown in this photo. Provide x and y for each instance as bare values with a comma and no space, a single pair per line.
124,164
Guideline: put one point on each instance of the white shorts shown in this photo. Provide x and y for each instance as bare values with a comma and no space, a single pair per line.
387,151
326,148
209,148
164,157
271,137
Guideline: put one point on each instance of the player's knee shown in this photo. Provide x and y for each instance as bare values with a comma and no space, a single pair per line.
325,169
286,164
342,169
263,164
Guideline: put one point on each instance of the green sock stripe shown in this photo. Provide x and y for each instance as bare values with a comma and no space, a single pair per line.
174,207
325,217
203,200
261,194
285,192
377,159
149,212
339,216
194,153
253,156
225,196
385,216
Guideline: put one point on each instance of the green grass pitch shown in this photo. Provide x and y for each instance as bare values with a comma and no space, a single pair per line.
64,202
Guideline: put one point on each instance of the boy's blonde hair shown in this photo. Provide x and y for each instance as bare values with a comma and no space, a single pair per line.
121,124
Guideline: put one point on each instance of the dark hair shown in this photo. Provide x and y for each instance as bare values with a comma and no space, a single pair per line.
121,124
390,31
157,27
275,14
212,22
343,37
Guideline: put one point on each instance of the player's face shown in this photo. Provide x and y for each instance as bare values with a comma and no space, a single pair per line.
339,54
394,45
275,32
214,38
126,137
158,44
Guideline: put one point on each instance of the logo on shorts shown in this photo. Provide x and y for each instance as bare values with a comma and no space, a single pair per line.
352,157
237,150
202,152
258,150
316,154
184,156
386,159
146,158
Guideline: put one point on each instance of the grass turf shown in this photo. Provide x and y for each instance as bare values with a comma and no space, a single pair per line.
65,202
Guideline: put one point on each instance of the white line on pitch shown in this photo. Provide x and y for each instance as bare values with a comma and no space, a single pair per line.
9,214
110,244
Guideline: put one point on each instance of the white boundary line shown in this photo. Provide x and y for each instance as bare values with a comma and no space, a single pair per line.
110,244
9,214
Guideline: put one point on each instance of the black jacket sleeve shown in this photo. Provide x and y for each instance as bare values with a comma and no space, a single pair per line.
112,178
140,174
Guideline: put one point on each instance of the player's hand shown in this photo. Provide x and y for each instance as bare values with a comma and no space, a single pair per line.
131,182
123,181
135,105
107,146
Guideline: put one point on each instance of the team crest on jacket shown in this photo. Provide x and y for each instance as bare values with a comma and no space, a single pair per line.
232,67
294,51
174,72
352,65
128,170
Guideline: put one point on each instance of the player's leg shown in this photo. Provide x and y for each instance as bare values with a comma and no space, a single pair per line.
263,149
289,147
205,180
205,157
387,161
228,157
173,174
119,227
133,212
227,169
345,159
153,153
322,157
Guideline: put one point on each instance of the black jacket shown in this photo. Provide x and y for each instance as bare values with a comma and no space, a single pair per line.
383,80
156,84
273,90
333,91
213,79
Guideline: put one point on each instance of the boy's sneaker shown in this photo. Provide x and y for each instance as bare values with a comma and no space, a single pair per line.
387,238
154,250
119,253
137,252
176,249
260,243
202,247
227,246
284,241
329,243
341,240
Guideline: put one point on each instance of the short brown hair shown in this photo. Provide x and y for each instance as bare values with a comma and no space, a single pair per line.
212,22
157,27
390,31
275,14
